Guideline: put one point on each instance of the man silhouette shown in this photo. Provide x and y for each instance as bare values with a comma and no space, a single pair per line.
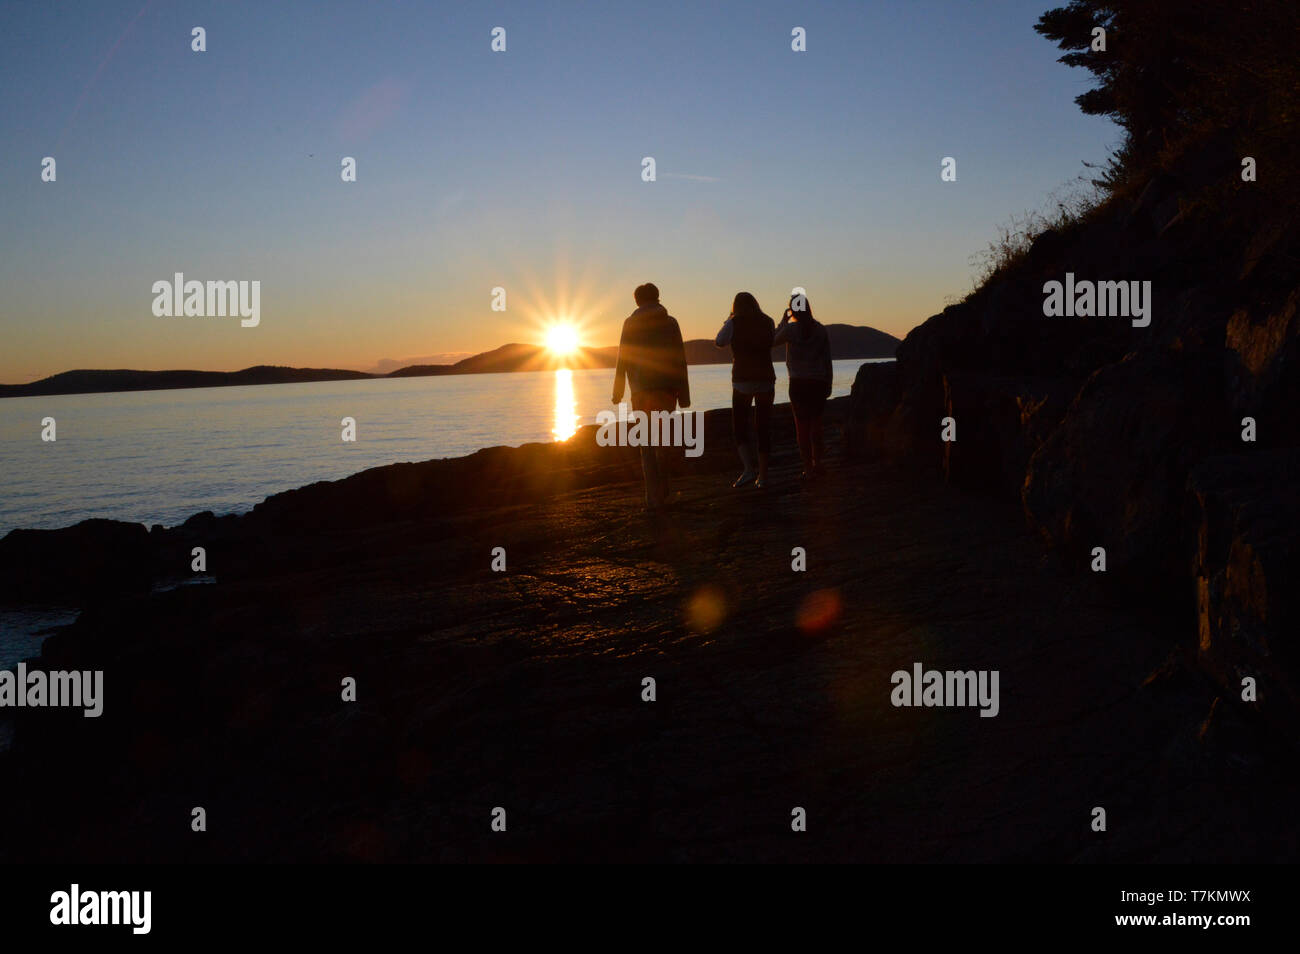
652,359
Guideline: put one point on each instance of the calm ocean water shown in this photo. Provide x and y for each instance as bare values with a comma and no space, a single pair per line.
160,456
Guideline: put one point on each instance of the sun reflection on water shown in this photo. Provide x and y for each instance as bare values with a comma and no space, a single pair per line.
566,406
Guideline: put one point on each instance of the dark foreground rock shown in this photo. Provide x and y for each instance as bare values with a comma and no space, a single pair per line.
1247,559
82,564
523,689
873,398
1096,425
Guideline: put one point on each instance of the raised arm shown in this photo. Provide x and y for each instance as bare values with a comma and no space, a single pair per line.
782,330
724,336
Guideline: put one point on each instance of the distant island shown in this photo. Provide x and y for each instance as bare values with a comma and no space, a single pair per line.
847,342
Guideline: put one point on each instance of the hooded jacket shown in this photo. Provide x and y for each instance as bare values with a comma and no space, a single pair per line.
651,355
807,349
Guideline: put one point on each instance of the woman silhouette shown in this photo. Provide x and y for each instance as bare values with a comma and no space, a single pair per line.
808,359
749,332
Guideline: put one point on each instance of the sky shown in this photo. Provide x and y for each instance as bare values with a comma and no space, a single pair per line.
519,169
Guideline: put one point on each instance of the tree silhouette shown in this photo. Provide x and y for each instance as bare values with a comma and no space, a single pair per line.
1177,69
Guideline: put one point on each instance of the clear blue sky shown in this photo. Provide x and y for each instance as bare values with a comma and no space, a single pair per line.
520,169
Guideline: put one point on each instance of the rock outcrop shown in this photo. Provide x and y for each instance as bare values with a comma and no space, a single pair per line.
1097,425
76,565
1245,512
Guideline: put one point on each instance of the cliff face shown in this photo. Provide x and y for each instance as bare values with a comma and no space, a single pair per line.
1172,446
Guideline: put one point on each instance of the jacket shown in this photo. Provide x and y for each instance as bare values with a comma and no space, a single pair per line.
806,357
750,338
651,355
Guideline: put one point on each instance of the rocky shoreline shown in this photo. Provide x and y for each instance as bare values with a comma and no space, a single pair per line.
1104,514
524,689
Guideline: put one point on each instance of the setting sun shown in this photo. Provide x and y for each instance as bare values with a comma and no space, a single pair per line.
562,339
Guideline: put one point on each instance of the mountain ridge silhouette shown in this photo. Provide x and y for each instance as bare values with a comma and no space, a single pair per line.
847,342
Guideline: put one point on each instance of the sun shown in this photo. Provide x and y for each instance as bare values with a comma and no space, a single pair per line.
561,339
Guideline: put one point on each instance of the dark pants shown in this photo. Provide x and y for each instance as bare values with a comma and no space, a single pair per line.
654,460
808,402
741,418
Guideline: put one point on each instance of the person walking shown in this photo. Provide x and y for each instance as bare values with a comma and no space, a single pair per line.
652,362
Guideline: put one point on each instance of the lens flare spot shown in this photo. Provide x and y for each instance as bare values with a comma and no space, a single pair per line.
706,609
819,611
